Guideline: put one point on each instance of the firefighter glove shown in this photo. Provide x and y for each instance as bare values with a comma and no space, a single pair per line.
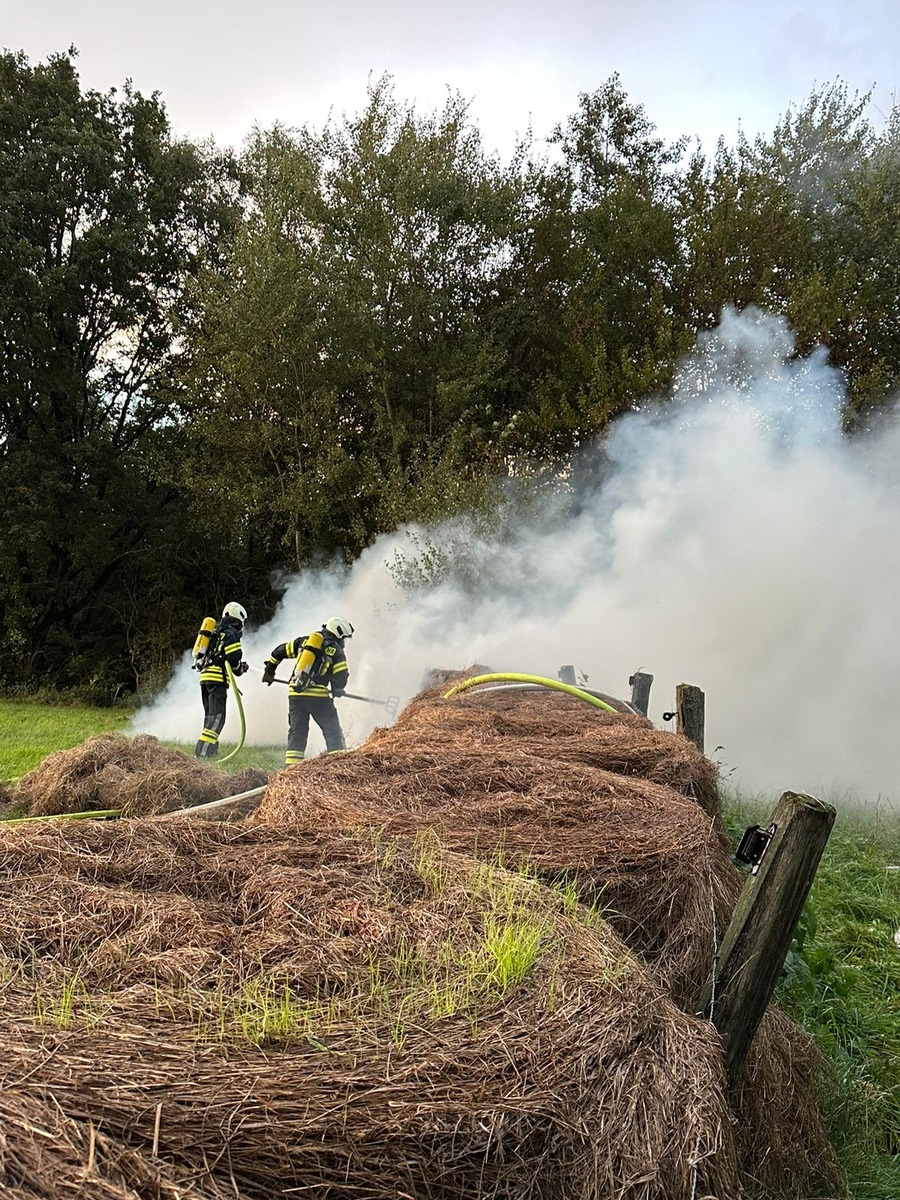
243,668
268,674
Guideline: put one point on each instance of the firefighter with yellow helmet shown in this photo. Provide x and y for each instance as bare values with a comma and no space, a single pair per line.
218,643
319,664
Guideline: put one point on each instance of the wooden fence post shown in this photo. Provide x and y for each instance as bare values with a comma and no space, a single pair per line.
690,710
765,918
640,690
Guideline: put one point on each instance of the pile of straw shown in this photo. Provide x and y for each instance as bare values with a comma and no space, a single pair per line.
137,775
210,1010
654,861
460,962
555,726
624,816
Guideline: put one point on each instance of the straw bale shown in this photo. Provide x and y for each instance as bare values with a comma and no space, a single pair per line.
555,725
655,863
137,775
45,1154
581,1080
783,1078
359,871
538,709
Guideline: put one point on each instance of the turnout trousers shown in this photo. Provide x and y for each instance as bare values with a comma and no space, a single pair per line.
215,697
323,712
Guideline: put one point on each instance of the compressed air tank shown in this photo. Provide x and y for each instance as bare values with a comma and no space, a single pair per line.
306,659
201,644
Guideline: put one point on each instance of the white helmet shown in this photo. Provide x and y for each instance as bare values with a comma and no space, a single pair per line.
339,627
233,609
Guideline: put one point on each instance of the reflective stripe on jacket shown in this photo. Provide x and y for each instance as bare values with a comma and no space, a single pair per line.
224,646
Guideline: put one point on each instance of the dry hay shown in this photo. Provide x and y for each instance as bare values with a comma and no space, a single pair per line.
136,775
784,1067
549,784
554,725
585,1080
411,1067
655,863
45,1154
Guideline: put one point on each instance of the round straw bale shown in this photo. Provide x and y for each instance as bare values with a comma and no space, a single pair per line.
783,1079
540,709
357,966
46,1154
655,863
626,746
620,741
579,1070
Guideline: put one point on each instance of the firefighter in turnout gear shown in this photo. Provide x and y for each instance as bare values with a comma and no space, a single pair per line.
319,663
212,650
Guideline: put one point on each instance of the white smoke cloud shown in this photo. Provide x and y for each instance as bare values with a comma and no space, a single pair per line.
739,542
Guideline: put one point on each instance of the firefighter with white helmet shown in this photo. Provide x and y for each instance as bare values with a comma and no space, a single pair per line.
320,664
218,643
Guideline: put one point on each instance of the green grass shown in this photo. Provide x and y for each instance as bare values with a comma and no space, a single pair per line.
268,758
30,731
842,984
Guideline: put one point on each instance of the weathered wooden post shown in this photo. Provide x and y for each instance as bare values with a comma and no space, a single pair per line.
783,859
640,690
690,710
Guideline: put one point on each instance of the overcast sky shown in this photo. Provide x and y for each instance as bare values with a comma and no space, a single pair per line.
700,67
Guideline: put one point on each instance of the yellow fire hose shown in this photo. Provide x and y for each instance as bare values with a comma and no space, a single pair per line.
81,816
555,684
237,696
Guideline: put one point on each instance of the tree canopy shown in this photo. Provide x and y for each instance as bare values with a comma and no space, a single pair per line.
218,367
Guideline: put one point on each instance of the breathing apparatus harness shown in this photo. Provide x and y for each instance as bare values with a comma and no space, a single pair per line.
208,629
308,661
209,647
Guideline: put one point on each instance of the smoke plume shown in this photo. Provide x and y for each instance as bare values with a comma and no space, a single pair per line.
738,541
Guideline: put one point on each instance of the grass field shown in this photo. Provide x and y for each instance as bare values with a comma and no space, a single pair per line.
842,978
842,984
29,732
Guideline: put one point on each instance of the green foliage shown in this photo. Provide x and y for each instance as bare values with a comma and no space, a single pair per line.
588,302
848,996
102,217
339,365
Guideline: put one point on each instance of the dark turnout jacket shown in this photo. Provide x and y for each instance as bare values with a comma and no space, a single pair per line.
330,667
